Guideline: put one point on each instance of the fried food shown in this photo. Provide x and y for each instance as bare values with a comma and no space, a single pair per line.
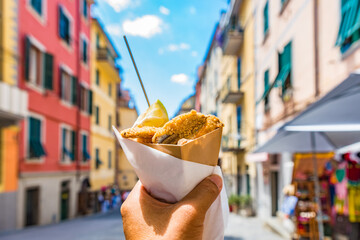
144,133
179,130
188,126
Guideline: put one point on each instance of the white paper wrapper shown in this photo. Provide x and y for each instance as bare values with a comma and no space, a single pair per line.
170,178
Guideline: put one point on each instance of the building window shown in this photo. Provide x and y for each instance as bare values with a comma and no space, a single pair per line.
349,30
97,77
84,53
36,148
238,118
68,145
98,162
266,18
97,40
68,87
109,122
283,79
37,6
97,115
38,66
86,100
85,8
84,151
239,72
266,90
64,26
109,89
109,159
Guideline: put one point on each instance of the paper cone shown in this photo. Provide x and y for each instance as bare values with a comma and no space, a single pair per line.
170,172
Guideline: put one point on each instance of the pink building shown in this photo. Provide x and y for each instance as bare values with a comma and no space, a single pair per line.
54,141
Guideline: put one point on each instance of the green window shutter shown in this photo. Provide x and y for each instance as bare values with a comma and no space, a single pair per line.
97,41
85,8
90,110
48,71
109,159
27,58
266,17
36,148
63,148
74,90
97,77
37,6
349,15
97,118
84,53
73,143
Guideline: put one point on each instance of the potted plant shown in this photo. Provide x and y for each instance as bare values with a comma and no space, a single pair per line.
234,203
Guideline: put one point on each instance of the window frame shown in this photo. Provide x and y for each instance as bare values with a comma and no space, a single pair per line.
36,160
41,18
82,8
65,69
83,39
97,115
110,120
67,160
71,27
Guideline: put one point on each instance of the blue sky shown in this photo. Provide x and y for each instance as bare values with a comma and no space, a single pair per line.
168,38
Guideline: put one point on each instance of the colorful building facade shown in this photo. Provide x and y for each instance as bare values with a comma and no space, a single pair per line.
13,108
104,80
126,116
303,49
54,139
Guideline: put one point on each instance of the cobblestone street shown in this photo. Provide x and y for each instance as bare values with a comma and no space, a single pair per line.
109,227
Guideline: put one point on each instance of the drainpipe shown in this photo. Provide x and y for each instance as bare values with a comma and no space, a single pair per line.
316,47
78,102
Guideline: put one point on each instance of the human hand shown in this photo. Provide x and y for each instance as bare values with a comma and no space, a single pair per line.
145,217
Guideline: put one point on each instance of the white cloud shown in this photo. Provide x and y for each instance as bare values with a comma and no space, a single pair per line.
164,10
194,53
180,78
174,48
145,26
119,5
114,30
192,10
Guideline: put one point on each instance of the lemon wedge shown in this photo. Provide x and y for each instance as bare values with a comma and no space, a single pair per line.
155,116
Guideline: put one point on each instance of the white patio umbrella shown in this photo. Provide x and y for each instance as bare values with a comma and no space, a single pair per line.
330,123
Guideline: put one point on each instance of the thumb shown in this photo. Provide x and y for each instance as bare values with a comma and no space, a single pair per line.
205,193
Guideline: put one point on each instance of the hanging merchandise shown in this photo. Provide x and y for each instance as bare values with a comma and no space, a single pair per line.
341,190
354,203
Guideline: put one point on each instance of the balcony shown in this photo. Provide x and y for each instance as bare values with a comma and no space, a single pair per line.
106,59
231,143
13,104
229,95
232,39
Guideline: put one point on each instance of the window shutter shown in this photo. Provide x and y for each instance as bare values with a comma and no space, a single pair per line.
27,58
60,82
48,71
61,23
266,17
74,155
74,90
239,72
84,53
90,102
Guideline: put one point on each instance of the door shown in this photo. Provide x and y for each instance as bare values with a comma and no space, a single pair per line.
32,206
64,200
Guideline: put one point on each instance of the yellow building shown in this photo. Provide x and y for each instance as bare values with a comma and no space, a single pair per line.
13,108
236,96
127,114
104,80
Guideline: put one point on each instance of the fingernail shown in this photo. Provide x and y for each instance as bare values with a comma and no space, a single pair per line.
217,180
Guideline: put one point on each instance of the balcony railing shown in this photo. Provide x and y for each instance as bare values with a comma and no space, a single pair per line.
104,55
231,144
230,95
233,37
13,104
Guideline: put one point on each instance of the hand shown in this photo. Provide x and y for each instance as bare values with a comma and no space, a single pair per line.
145,217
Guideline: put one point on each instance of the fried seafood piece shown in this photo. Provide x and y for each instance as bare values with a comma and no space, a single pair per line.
183,126
210,125
144,134
186,126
